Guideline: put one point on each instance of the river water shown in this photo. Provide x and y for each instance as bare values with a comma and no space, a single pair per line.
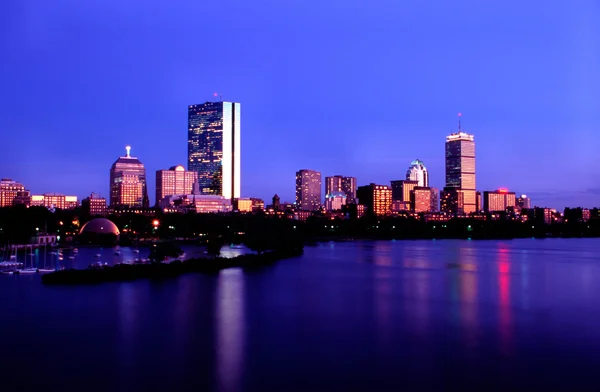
364,316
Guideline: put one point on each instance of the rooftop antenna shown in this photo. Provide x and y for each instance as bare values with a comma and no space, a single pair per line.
459,127
128,150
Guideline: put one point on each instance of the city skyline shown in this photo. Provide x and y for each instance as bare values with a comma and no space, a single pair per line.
138,81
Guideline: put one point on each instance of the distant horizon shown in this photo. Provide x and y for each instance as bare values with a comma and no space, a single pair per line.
342,88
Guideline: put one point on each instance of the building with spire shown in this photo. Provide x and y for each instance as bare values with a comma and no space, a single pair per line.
459,195
128,182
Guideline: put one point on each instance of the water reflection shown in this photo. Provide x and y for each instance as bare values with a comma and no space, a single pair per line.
504,319
230,329
383,305
129,328
467,282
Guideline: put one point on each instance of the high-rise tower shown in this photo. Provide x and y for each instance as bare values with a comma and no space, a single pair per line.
418,172
459,193
214,147
308,190
128,182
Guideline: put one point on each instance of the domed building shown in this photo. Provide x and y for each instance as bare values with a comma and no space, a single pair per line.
99,231
418,172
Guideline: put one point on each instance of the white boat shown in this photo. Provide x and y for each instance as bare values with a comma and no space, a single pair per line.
136,251
117,252
71,257
26,271
54,253
75,250
13,257
7,272
97,255
31,254
45,270
10,264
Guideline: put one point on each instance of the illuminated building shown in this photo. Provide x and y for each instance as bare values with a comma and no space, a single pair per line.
242,205
214,147
576,215
423,199
54,200
128,182
543,215
524,202
376,198
343,184
308,190
401,189
460,194
196,203
8,191
257,204
498,201
418,172
94,205
335,201
398,205
175,181
478,202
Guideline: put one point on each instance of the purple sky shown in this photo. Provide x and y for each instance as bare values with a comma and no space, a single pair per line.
352,88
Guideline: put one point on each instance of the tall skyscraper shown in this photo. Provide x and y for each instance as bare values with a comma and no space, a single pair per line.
214,147
460,173
175,181
342,184
308,190
128,182
418,172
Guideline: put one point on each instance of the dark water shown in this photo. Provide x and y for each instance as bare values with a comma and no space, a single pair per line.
372,316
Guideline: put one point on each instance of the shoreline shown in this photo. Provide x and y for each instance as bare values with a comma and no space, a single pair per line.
131,272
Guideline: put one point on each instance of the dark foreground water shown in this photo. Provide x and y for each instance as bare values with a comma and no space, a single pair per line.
370,316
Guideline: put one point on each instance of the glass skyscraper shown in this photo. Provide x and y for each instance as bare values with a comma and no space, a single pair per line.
214,147
128,182
460,174
346,185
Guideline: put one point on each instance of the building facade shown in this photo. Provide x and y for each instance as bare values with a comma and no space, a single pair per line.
214,147
175,181
308,190
343,184
524,202
94,205
9,190
498,201
376,198
401,189
460,174
128,182
423,199
418,172
335,201
54,200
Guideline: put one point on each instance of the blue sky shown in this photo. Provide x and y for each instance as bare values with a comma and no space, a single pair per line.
343,87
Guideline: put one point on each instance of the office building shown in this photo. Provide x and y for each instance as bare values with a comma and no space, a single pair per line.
8,191
498,201
214,147
276,202
258,205
343,184
242,205
308,190
196,203
459,193
54,201
418,172
401,189
376,198
524,202
94,205
175,181
435,200
335,201
22,198
128,182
